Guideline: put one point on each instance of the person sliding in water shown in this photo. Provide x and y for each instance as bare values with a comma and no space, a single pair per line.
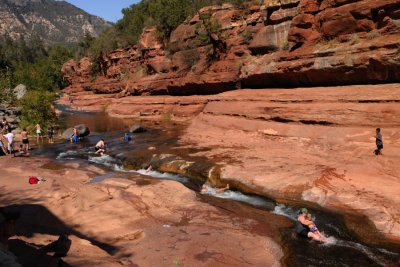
100,147
305,227
127,137
204,189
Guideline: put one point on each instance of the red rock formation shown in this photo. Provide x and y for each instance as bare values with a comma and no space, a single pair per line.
280,43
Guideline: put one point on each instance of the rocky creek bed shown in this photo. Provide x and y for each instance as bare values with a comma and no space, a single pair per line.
354,239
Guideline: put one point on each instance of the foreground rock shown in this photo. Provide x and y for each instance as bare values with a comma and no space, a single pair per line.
121,222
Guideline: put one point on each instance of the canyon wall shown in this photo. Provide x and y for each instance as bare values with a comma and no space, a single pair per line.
286,43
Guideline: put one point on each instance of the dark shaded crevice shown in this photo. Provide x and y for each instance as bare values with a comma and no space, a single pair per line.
378,101
314,122
291,101
283,120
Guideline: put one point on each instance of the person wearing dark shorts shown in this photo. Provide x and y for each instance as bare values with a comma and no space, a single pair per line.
303,227
379,142
50,134
25,140
100,147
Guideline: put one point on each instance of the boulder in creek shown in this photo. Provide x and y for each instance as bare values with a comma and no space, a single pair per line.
137,129
82,130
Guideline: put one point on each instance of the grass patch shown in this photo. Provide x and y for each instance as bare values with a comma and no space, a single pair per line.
168,117
143,182
373,34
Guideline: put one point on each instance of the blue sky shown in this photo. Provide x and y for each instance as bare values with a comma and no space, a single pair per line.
109,10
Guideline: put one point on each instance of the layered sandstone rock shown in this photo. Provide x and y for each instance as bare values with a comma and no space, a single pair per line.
280,43
308,144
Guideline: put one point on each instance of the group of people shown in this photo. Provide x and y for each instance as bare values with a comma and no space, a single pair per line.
7,141
6,138
100,147
39,133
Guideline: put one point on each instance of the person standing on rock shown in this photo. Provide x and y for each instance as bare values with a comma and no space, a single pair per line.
4,125
10,138
25,140
3,144
39,133
50,134
379,142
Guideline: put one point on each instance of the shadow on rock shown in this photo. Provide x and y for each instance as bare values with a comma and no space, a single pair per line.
36,219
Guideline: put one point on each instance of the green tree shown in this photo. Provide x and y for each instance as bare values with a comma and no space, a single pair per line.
168,14
37,107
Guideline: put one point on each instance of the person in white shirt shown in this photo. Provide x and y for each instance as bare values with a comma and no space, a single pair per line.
10,138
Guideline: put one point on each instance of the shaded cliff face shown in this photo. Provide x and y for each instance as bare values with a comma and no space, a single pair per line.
54,21
280,43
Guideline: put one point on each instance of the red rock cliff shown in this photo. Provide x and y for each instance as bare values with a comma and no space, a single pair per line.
280,43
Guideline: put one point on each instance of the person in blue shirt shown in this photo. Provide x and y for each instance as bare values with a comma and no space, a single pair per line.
127,137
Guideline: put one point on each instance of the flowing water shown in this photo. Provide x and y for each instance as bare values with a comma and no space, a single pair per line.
342,248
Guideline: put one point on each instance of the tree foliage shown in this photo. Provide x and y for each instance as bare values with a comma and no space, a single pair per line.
30,63
37,107
164,15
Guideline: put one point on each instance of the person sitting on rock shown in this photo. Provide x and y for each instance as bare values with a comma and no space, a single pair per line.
303,227
21,152
100,147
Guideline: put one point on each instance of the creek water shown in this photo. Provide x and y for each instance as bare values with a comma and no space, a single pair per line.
275,220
